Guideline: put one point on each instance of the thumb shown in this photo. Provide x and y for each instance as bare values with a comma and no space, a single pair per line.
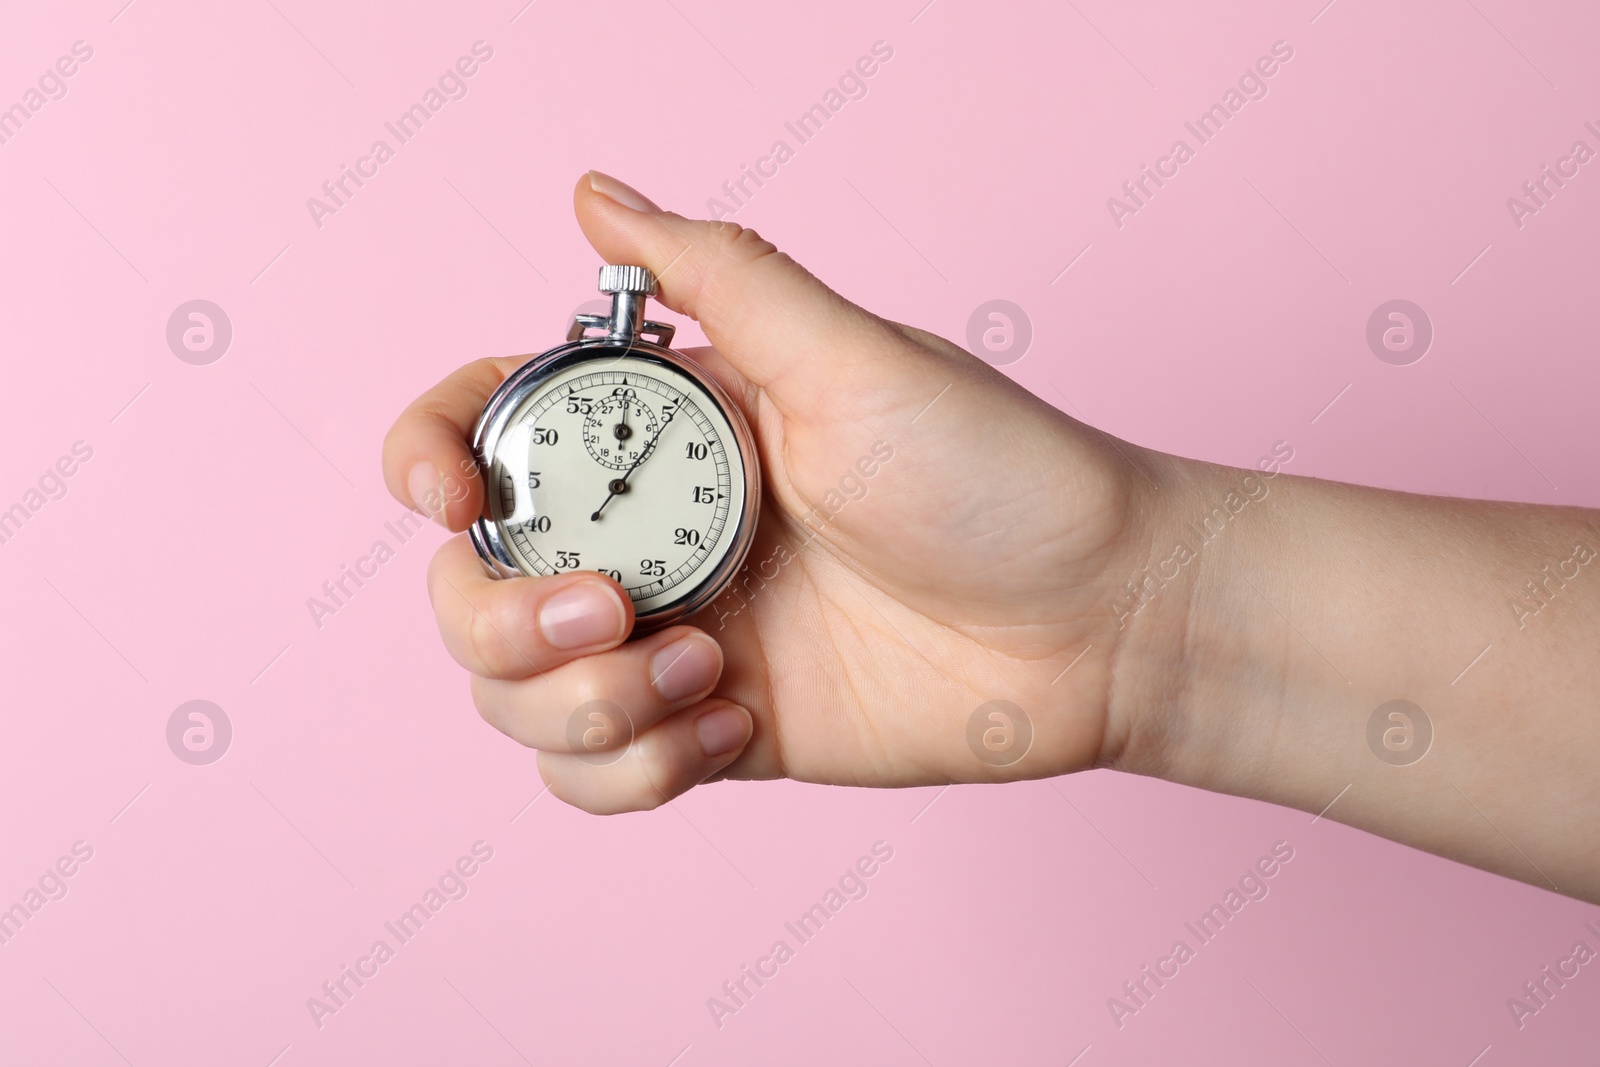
772,320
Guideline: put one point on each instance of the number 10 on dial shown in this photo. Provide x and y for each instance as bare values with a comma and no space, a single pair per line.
616,454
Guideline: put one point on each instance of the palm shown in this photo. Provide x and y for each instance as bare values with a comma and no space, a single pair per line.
960,571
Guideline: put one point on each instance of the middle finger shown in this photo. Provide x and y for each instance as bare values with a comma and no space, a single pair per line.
630,688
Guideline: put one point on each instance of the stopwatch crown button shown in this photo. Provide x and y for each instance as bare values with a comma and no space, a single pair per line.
624,279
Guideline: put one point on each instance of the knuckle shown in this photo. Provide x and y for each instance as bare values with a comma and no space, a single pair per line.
503,634
595,724
434,579
729,240
484,368
600,683
558,788
482,643
652,765
723,233
477,378
753,246
590,801
491,699
392,439
488,708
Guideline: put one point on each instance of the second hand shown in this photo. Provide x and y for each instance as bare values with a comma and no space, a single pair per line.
620,485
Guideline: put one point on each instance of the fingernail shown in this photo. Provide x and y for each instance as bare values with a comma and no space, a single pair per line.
626,195
688,666
582,615
423,483
722,731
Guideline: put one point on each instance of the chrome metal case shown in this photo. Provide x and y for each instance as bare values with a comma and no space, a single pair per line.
508,399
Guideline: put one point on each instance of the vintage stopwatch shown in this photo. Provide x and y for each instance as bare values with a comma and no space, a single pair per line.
616,454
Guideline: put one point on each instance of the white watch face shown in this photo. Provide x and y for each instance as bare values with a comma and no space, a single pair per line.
622,466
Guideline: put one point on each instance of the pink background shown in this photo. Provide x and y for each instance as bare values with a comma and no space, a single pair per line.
1223,317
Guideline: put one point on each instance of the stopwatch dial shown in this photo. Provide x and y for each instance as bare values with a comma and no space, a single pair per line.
632,470
617,429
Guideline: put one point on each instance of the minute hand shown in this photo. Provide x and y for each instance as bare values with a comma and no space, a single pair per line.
618,485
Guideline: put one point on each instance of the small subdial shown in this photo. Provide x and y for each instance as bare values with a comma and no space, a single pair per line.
618,430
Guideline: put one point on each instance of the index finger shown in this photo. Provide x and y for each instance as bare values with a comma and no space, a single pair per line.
427,455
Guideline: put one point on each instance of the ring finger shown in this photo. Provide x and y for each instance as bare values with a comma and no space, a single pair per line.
663,762
597,704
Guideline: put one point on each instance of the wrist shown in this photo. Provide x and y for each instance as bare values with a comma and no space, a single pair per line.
1272,663
1201,670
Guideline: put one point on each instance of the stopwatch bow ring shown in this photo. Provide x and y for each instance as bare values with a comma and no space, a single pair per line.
628,288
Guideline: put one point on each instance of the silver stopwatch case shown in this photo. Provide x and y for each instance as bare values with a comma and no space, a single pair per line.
623,338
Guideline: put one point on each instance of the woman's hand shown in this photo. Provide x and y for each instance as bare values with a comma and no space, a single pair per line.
933,538
954,582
